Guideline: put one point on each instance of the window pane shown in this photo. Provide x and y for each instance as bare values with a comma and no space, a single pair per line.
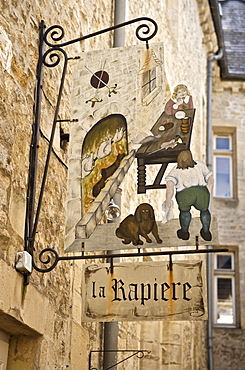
145,84
223,177
224,261
225,310
223,143
152,79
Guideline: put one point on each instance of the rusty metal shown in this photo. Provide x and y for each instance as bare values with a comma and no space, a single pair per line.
111,266
170,266
140,353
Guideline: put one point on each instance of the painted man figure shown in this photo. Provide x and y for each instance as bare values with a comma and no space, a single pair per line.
180,100
193,182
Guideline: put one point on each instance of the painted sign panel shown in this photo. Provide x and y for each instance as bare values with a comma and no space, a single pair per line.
113,92
145,291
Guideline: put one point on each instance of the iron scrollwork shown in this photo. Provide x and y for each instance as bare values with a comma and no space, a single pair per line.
139,353
57,258
54,57
143,32
53,260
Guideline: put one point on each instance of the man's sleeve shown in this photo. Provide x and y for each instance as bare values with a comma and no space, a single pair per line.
206,172
172,177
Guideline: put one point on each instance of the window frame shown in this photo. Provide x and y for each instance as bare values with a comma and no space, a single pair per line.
149,86
151,64
226,153
149,79
226,274
231,189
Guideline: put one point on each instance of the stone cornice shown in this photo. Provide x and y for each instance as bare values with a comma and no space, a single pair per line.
209,36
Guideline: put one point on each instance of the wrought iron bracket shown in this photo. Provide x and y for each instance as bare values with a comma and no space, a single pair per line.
50,58
140,353
52,40
54,257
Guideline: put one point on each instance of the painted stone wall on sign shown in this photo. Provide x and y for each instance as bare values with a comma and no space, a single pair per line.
145,291
117,96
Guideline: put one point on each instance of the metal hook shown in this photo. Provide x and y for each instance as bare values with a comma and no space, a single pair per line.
83,248
170,266
111,266
197,242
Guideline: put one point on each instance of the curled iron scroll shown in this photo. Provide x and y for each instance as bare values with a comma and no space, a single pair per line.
51,58
145,29
48,260
55,33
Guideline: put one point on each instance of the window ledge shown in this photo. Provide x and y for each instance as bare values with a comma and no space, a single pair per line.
220,326
151,96
229,201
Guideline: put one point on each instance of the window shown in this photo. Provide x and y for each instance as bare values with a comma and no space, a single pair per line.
224,289
151,74
148,82
224,164
150,85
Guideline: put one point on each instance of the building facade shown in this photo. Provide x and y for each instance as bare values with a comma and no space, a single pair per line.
41,323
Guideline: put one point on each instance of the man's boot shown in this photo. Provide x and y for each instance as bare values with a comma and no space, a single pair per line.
185,219
205,217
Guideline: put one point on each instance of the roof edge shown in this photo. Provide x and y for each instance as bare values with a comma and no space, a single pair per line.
224,74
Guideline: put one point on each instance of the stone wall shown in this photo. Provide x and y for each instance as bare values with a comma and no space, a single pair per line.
41,318
229,111
44,318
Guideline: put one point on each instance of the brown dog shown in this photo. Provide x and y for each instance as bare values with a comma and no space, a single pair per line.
141,223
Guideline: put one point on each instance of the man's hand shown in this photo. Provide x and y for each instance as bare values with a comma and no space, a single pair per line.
169,193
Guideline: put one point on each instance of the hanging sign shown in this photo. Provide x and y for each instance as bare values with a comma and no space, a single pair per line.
114,91
145,291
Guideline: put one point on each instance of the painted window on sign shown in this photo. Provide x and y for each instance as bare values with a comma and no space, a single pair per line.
223,166
148,82
224,290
